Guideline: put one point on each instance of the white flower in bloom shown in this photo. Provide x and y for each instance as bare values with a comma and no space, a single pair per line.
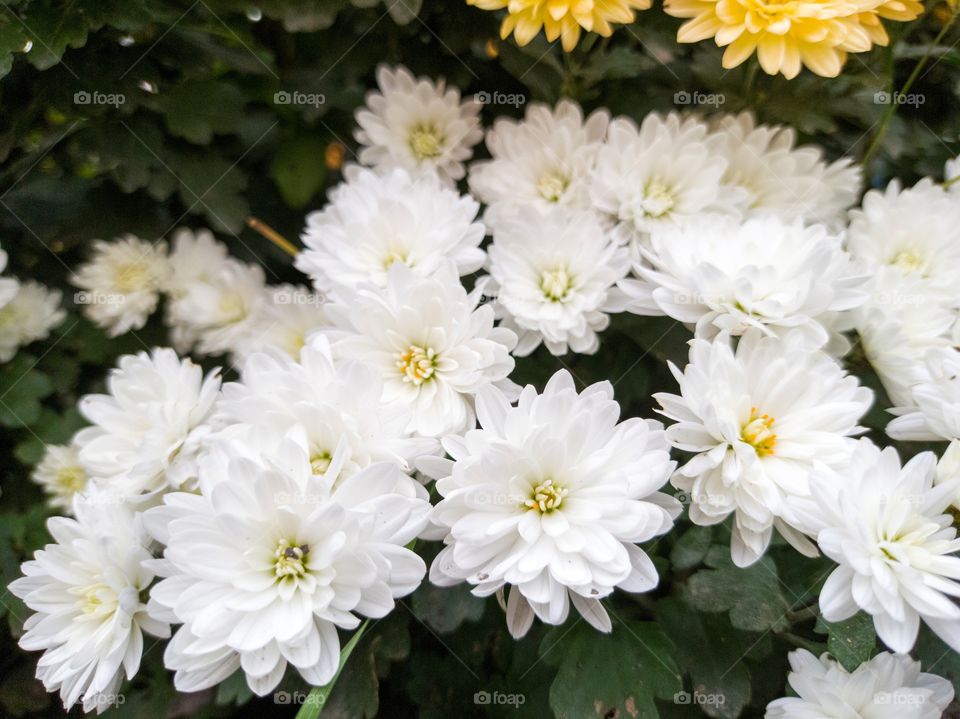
781,179
417,125
904,319
264,565
214,309
28,317
552,497
889,530
88,591
554,278
936,414
8,285
951,175
284,320
121,283
374,221
61,474
916,230
889,686
146,429
757,418
541,161
335,412
719,274
431,342
662,173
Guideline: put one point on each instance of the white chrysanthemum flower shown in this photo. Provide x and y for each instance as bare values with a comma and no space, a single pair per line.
935,414
552,497
541,161
889,530
335,412
781,179
717,273
417,125
916,230
374,221
27,317
88,591
8,285
121,283
214,309
269,560
666,171
904,319
146,430
757,418
61,474
554,276
886,687
284,320
434,345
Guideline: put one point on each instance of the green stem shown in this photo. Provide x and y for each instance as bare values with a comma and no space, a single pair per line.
891,111
318,695
801,615
796,641
750,81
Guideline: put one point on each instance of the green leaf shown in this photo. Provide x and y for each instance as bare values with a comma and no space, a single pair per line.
692,547
752,595
446,608
318,695
721,679
605,675
197,109
851,642
22,386
298,169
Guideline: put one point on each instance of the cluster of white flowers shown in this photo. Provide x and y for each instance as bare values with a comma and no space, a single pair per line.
280,506
28,311
214,304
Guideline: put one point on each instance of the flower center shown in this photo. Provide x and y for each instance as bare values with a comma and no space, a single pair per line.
133,276
908,261
657,199
555,284
71,479
392,257
290,559
546,497
418,364
320,462
425,142
97,599
232,308
757,433
552,185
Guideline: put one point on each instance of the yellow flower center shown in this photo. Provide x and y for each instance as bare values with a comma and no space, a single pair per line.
71,479
546,497
96,600
657,199
552,185
232,308
392,257
757,432
425,142
908,261
417,364
556,284
130,277
290,559
320,462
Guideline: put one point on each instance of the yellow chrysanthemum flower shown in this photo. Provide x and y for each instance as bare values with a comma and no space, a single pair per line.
561,18
788,34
